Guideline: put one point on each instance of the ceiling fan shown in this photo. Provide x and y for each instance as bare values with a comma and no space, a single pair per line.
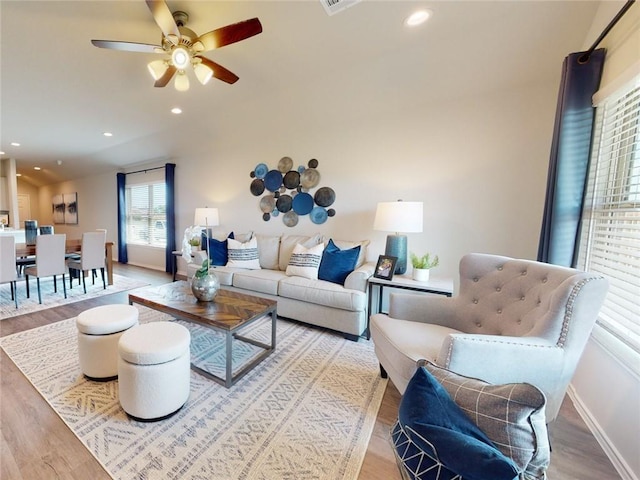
183,48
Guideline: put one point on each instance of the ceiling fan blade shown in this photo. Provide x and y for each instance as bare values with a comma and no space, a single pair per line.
128,46
164,18
230,34
219,71
168,75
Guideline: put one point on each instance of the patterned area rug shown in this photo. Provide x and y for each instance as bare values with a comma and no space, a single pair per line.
306,412
52,299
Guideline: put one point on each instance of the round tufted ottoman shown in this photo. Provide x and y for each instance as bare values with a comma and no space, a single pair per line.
99,330
154,370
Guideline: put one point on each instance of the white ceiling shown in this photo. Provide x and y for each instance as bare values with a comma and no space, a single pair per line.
59,93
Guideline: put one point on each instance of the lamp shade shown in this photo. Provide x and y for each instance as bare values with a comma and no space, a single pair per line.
401,217
206,217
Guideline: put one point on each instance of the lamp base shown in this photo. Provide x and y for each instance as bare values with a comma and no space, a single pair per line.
397,247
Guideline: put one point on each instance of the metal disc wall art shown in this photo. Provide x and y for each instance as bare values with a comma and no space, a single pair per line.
288,192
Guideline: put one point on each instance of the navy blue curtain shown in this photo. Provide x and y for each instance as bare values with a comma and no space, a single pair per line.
122,218
570,152
169,180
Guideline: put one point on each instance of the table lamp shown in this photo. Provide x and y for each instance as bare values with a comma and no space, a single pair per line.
399,217
206,217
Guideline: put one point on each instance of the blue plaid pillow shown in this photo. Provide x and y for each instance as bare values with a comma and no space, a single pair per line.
438,427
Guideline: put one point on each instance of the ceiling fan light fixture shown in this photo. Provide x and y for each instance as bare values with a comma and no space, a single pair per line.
182,81
203,72
180,57
157,68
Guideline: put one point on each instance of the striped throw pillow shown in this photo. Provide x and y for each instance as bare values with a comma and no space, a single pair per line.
304,262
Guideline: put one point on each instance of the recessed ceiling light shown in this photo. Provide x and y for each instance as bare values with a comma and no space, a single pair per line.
18,174
15,144
176,110
37,168
417,18
108,134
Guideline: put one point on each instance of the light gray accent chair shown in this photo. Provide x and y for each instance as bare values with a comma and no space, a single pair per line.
8,272
50,261
512,321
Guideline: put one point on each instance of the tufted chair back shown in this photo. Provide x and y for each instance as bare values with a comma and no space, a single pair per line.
512,321
506,296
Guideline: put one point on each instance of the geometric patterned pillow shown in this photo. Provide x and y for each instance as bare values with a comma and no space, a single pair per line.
414,462
511,415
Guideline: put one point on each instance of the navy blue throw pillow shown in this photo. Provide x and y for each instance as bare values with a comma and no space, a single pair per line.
218,251
337,264
435,424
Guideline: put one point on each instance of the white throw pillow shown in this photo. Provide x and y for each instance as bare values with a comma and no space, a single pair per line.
304,262
243,255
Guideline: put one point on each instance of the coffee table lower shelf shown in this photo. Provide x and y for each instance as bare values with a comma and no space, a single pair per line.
230,379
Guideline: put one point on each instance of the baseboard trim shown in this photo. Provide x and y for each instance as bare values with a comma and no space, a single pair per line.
601,437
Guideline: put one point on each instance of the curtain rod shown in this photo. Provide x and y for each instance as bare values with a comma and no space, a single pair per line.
585,58
149,169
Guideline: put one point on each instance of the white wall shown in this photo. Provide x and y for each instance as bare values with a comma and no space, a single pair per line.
606,393
478,164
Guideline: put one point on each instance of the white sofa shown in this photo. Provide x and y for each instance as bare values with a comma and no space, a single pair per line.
317,302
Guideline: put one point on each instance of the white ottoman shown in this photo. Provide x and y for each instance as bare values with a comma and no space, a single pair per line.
154,370
99,330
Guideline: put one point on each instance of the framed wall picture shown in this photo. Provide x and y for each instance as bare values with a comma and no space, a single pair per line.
70,201
57,208
385,267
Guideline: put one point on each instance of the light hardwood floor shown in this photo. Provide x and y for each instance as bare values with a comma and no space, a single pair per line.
36,445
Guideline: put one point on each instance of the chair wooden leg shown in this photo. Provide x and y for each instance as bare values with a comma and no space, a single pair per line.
64,286
55,284
26,279
39,294
84,282
104,283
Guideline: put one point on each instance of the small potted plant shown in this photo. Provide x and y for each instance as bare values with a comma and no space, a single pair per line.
422,265
195,244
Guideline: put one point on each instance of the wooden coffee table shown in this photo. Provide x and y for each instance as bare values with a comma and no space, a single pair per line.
228,313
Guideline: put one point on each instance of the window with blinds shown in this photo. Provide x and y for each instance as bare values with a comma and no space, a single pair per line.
147,214
610,234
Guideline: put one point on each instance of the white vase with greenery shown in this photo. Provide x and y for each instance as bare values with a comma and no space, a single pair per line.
423,265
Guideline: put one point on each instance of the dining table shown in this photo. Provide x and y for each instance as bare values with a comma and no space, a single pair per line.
72,246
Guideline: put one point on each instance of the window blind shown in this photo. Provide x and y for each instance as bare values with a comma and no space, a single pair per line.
610,234
146,214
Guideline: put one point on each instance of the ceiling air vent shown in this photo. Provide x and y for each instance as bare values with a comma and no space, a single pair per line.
335,6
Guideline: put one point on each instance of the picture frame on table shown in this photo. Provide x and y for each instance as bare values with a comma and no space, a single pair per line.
385,267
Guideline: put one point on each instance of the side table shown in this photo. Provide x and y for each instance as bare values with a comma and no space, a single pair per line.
174,264
438,286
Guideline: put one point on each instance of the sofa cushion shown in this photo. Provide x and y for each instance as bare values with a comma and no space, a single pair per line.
259,281
347,244
433,422
218,252
322,293
337,264
287,242
512,415
305,262
268,250
243,255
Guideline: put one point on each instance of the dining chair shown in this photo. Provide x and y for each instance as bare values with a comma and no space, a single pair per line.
50,261
91,257
8,272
